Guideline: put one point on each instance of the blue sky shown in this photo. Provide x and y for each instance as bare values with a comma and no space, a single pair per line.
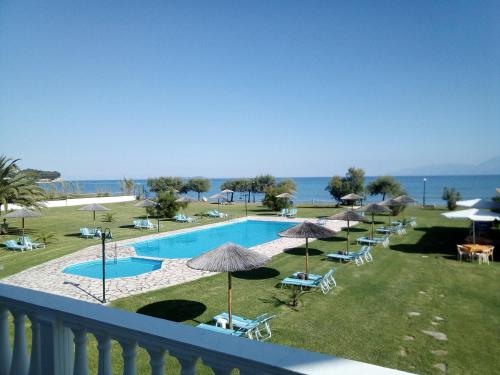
106,89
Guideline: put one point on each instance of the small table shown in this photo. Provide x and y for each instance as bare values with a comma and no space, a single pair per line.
477,248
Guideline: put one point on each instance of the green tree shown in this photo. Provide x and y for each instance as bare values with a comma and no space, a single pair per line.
270,198
240,185
352,182
159,184
168,206
199,185
18,187
128,185
385,185
355,180
451,196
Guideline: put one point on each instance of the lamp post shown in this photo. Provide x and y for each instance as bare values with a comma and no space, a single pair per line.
423,200
105,233
158,216
246,209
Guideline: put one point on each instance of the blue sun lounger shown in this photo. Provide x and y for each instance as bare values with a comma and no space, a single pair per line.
321,283
328,277
225,331
13,245
356,256
26,240
384,241
258,328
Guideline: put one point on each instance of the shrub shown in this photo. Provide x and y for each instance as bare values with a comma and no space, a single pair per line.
451,196
276,204
108,217
168,206
46,237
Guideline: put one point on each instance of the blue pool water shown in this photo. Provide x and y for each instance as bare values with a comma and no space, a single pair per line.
123,267
187,245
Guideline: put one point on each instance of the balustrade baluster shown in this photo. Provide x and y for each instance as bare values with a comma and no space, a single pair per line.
188,362
219,367
104,348
156,360
19,364
129,355
5,354
81,361
35,361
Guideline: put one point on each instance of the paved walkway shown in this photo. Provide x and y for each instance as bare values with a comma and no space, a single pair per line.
48,277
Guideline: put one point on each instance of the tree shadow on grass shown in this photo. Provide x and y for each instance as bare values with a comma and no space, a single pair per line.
301,251
127,226
18,231
176,310
355,229
436,240
257,274
72,234
337,238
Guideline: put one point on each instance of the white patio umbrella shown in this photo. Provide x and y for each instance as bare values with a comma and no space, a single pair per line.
473,214
479,203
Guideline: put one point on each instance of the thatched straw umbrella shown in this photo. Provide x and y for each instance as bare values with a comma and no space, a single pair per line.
374,208
146,203
401,200
93,207
217,196
228,258
351,197
307,230
22,213
405,199
227,192
184,199
285,196
348,215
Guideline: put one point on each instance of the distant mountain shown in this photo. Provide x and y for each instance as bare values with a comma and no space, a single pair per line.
491,166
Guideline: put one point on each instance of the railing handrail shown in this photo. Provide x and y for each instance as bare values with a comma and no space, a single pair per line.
124,325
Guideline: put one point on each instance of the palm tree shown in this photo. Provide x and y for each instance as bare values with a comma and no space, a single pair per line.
17,186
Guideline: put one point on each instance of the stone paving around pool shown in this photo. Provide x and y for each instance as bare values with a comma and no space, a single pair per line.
48,277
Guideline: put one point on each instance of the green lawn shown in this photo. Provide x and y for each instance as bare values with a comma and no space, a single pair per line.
365,318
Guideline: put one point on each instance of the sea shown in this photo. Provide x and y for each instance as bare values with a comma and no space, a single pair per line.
312,189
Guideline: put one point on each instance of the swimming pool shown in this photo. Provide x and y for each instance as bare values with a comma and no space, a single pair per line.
246,233
122,267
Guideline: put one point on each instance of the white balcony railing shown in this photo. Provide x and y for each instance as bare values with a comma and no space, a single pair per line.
60,328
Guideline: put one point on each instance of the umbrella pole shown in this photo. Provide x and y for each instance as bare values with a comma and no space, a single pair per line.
307,257
473,232
229,300
94,219
373,224
348,229
23,227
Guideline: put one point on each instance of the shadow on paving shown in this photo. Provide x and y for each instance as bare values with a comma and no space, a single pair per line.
176,310
257,274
